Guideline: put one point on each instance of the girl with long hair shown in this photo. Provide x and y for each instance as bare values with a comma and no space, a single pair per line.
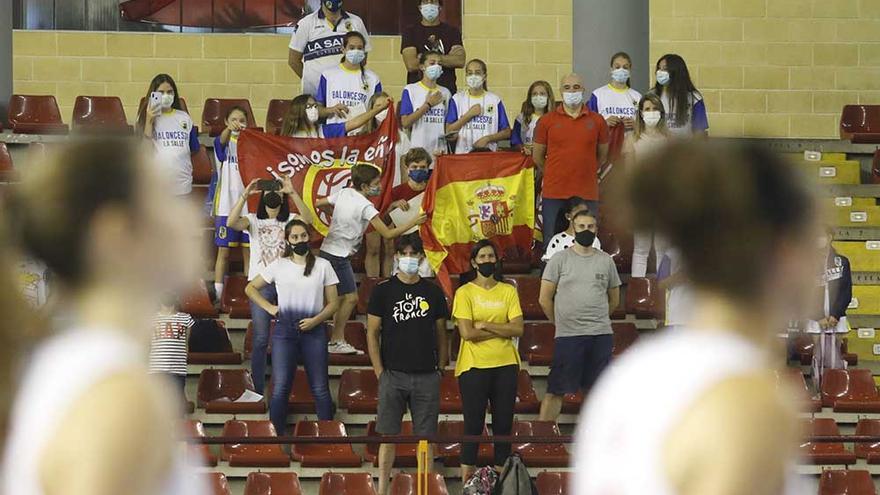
685,108
539,100
303,117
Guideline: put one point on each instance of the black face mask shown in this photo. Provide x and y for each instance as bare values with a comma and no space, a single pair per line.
300,248
585,238
272,200
486,269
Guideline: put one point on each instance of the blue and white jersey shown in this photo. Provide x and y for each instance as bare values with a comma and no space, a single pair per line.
609,101
299,296
431,128
492,120
697,119
522,133
229,184
352,88
323,131
320,42
176,139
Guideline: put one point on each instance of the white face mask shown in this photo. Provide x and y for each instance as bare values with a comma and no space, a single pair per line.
475,81
166,101
651,118
408,264
620,75
434,71
312,114
430,11
573,98
539,101
381,116
662,77
355,57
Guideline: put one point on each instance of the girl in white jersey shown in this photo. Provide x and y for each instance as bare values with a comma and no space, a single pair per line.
539,100
304,114
172,132
88,419
423,106
345,90
476,117
685,108
616,101
744,221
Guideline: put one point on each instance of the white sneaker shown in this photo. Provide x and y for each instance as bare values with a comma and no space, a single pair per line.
342,348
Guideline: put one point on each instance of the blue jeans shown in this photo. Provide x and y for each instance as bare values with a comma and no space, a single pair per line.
550,209
289,347
261,320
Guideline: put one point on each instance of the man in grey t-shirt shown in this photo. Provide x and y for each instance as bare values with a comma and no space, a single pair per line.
579,290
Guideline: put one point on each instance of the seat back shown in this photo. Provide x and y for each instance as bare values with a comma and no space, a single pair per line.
528,287
209,336
214,114
625,335
216,384
347,484
537,342
525,392
859,119
272,484
835,385
867,427
203,169
406,484
364,290
320,428
450,394
234,301
104,113
640,298
197,302
5,159
848,482
217,483
358,386
356,335
552,483
403,449
35,114
275,115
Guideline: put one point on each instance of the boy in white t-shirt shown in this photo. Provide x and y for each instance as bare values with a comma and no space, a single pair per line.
352,214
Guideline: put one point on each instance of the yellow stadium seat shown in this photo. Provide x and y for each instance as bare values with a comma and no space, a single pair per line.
858,217
830,172
861,258
866,300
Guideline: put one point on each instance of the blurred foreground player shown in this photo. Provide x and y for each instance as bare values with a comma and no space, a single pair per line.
697,410
87,418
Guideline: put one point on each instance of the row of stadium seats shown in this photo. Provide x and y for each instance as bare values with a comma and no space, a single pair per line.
343,455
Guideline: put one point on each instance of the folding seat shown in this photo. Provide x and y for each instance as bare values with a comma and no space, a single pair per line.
30,114
219,338
200,453
323,455
451,452
824,452
540,454
275,116
868,451
851,390
406,484
356,335
552,483
860,123
214,114
846,482
359,391
272,484
197,303
7,170
618,246
537,343
796,380
234,301
100,113
625,335
249,339
640,298
364,290
252,455
450,395
571,403
300,400
517,260
203,169
528,287
347,484
526,400
217,483
219,388
405,453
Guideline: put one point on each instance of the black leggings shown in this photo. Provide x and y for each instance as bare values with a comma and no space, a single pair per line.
479,387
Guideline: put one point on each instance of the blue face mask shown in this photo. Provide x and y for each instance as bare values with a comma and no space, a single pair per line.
420,175
408,264
434,71
662,77
333,5
355,57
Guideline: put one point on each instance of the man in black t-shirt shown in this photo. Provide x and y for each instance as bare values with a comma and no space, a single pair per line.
431,35
410,314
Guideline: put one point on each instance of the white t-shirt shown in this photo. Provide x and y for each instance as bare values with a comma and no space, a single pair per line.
493,119
351,88
609,101
168,347
427,131
352,213
267,242
320,42
562,241
229,184
175,139
299,296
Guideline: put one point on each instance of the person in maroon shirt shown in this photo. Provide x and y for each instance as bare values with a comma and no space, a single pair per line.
431,35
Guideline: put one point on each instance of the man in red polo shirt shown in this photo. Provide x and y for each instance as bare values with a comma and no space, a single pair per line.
570,144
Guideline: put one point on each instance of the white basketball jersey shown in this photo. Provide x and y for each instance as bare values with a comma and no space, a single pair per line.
351,88
229,185
428,131
490,121
610,101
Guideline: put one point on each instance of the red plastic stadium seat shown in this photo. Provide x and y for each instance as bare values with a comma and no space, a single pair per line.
197,303
217,483
227,356
526,400
528,287
625,335
517,260
356,335
30,114
406,484
571,403
272,484
252,455
850,390
451,452
202,167
537,343
300,400
323,455
543,454
824,452
406,453
249,339
7,171
200,452
347,484
214,114
860,123
218,388
275,116
100,113
640,298
234,301
359,391
849,482
803,346
869,451
450,395
364,290
552,483
618,246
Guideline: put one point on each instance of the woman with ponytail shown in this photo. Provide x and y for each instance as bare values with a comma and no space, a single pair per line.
306,287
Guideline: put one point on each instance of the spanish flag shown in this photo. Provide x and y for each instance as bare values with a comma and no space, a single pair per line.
473,197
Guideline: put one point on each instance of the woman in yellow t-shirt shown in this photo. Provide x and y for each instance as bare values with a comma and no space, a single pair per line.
489,316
